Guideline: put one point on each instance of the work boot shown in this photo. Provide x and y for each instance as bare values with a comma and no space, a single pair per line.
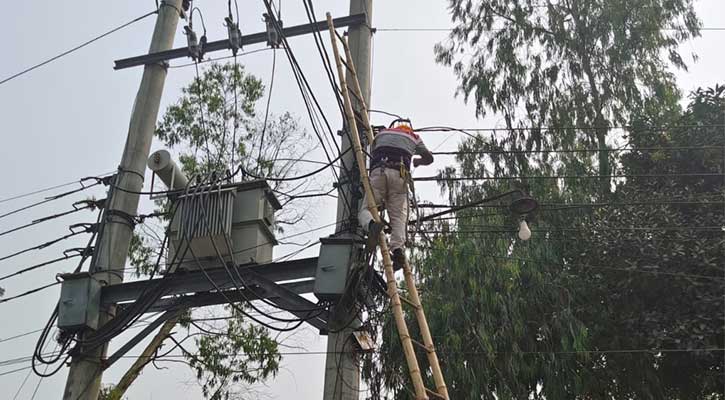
374,229
398,259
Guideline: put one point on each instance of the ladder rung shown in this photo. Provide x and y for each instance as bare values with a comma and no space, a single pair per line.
344,62
342,39
354,93
359,120
422,346
410,303
434,394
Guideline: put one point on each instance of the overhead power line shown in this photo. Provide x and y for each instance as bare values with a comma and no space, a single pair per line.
14,371
208,60
536,177
80,46
608,150
20,335
450,352
566,206
47,189
36,266
501,228
86,229
83,187
89,204
433,29
716,279
29,292
564,128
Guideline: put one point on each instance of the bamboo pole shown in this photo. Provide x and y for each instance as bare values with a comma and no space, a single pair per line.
410,357
440,383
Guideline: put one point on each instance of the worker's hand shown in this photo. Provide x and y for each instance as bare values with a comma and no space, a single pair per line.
426,158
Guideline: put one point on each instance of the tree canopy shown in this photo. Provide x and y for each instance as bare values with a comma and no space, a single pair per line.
214,126
567,64
619,292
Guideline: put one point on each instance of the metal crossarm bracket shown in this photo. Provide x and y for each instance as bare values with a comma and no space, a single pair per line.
259,37
195,282
140,336
288,300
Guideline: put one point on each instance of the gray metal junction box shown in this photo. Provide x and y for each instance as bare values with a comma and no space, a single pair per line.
234,221
333,266
80,301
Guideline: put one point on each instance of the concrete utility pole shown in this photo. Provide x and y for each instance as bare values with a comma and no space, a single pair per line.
84,377
342,374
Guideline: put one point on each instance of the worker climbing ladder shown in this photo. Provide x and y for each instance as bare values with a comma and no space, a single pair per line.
361,117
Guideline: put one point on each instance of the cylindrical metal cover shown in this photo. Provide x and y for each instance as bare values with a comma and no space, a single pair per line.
161,163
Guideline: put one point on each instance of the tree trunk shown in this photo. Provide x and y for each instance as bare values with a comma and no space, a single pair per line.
601,126
146,356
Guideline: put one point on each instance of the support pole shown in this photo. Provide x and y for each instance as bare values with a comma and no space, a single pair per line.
84,377
342,374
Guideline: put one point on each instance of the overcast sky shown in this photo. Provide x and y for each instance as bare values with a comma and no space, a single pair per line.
69,119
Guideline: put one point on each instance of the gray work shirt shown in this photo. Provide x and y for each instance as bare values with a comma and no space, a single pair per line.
410,142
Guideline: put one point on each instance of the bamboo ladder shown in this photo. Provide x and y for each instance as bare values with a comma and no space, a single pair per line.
421,392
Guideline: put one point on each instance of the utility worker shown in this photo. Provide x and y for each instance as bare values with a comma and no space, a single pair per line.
392,151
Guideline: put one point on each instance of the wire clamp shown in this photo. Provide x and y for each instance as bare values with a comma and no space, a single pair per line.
274,27
80,251
192,42
126,218
83,227
90,203
235,35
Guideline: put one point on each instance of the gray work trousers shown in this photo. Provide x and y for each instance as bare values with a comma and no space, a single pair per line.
391,192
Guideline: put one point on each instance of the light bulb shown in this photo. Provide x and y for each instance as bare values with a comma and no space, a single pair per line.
524,231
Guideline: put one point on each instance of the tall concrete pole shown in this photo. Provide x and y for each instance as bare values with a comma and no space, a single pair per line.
84,377
342,374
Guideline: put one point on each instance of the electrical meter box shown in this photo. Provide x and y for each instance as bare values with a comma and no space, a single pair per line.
80,301
234,222
333,266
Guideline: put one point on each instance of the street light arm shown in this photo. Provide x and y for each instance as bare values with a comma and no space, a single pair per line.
469,205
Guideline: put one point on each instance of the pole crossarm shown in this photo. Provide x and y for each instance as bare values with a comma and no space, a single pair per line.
214,298
195,281
224,44
259,284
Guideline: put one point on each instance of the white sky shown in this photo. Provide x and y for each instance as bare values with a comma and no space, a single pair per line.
69,119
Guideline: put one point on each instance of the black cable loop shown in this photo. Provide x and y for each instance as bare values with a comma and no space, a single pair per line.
139,174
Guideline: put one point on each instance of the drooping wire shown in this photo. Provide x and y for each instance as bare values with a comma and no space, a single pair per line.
235,124
38,191
322,50
295,178
308,96
56,197
596,176
608,150
29,292
46,244
266,111
36,266
89,204
201,109
80,46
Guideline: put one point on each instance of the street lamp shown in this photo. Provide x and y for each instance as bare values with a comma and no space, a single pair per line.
521,205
